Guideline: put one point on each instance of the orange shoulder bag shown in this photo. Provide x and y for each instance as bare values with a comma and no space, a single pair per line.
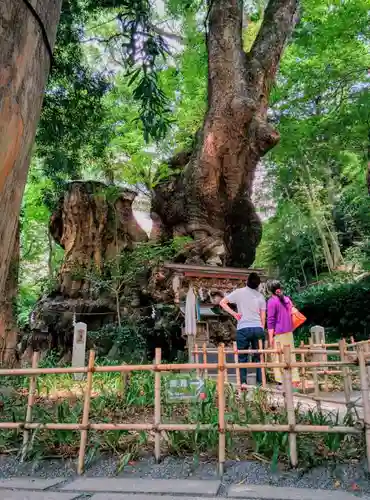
297,318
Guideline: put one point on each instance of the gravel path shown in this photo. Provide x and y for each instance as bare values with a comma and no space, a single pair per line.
348,477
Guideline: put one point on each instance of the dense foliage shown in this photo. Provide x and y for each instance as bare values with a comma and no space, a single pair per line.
321,103
341,308
129,87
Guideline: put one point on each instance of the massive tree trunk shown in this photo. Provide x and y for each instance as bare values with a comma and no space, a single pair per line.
8,324
94,223
27,34
211,199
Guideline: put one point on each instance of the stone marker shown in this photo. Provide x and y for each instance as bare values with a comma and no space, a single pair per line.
318,334
79,348
139,485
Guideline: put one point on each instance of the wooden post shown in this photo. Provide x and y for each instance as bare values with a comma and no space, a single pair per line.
365,399
303,372
85,415
366,349
226,378
31,399
221,410
157,406
79,348
267,357
314,372
237,370
290,405
262,360
196,357
279,359
205,358
346,374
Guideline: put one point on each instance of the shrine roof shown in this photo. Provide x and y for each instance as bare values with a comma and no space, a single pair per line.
216,272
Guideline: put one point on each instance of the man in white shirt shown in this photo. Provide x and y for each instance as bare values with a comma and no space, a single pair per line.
251,318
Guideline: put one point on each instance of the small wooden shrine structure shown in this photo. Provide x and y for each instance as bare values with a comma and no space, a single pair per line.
198,291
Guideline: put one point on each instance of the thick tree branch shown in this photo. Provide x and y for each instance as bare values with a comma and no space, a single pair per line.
278,24
225,44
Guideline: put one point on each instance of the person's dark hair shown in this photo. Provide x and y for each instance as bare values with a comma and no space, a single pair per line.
275,289
253,281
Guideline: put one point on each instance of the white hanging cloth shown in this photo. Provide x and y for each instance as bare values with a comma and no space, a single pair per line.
190,314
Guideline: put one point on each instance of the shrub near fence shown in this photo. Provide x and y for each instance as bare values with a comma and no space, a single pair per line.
291,426
343,309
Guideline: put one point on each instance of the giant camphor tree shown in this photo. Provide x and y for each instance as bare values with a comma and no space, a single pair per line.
27,36
211,198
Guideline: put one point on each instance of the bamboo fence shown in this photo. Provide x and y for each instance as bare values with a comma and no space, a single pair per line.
320,376
284,360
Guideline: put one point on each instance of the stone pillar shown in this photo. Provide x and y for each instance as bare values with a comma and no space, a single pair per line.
79,348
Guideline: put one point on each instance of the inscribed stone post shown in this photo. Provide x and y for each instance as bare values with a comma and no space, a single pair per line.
318,337
79,348
318,334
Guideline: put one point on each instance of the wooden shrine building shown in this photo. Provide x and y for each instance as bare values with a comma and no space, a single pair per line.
198,291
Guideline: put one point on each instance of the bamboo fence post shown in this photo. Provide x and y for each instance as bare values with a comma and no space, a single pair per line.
314,372
326,378
290,405
366,350
237,370
31,399
157,405
346,375
303,372
221,410
262,360
226,378
365,400
267,357
85,415
315,377
205,358
196,352
279,359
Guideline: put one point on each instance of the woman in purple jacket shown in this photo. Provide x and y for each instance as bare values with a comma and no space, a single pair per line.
280,326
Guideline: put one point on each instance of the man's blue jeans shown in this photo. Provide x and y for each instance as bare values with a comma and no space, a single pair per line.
247,338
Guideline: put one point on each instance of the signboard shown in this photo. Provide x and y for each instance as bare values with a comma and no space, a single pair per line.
182,389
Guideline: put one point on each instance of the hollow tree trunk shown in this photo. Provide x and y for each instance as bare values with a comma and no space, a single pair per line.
8,324
211,199
93,226
24,66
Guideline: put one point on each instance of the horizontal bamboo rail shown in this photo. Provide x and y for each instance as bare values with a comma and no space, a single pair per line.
285,362
27,372
182,427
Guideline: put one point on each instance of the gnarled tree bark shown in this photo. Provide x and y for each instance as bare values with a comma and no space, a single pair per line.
93,226
27,33
211,199
8,323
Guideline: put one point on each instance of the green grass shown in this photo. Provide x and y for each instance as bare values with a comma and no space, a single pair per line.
61,400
